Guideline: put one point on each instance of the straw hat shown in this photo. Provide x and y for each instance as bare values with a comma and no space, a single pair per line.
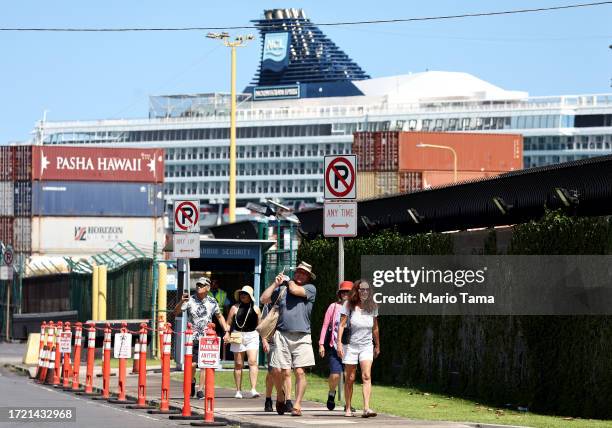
306,268
246,289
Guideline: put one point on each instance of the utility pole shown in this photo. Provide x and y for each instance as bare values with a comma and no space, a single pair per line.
239,41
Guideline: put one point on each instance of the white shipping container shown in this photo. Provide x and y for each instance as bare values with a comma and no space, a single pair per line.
82,236
22,234
6,199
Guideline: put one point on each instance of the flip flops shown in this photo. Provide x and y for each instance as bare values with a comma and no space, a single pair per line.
296,412
369,413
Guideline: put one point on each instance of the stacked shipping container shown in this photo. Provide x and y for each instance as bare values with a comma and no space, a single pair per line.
390,162
77,201
16,197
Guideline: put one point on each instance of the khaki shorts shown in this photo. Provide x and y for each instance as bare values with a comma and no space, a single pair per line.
292,350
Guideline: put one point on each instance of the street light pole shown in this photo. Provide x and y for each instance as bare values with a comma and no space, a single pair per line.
436,146
239,41
232,148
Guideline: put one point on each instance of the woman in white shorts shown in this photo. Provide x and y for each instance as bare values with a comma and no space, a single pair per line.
243,318
358,321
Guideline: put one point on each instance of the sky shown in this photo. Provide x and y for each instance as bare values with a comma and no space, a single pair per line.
84,76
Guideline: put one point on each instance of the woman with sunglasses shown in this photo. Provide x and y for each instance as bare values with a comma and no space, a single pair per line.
328,338
359,315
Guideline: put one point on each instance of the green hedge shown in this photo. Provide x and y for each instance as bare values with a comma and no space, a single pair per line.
557,365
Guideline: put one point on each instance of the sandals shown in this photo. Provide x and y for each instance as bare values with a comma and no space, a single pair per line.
296,412
369,413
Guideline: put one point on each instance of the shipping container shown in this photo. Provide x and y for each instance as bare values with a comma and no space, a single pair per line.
69,163
6,163
475,152
84,236
102,199
363,147
442,178
22,198
6,198
6,230
22,162
398,151
22,234
410,181
372,184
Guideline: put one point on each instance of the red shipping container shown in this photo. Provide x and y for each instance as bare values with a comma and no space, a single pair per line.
6,163
69,163
6,230
475,152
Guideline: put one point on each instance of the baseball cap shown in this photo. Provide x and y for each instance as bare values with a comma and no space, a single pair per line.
203,280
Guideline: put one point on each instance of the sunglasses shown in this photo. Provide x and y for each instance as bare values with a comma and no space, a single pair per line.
364,289
201,285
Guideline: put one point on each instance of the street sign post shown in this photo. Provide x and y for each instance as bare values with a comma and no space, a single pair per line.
186,245
8,256
123,345
65,342
340,177
339,215
6,273
208,355
340,219
186,216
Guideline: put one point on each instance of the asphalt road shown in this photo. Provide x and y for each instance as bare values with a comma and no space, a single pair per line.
17,390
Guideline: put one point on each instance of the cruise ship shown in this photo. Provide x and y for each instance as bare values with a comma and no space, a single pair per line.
306,100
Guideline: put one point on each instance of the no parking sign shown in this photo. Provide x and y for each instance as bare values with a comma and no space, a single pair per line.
340,177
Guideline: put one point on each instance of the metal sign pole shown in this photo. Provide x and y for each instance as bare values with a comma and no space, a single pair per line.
340,279
182,287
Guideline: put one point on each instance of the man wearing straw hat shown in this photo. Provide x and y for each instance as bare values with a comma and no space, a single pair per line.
293,343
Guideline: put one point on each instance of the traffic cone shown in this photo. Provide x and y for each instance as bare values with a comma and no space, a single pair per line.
186,413
164,403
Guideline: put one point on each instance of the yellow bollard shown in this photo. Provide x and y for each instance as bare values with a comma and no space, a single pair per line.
162,294
94,293
102,293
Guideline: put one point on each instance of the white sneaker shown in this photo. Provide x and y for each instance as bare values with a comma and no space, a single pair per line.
254,393
238,394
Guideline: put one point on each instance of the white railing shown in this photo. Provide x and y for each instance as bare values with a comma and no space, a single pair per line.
254,114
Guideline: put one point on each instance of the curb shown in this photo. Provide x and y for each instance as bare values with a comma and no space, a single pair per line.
224,418
485,425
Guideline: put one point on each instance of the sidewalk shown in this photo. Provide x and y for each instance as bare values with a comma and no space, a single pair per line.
249,412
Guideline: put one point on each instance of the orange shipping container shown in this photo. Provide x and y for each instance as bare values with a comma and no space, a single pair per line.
441,178
475,152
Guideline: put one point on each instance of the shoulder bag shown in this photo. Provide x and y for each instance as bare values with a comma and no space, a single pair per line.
346,334
236,336
267,326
